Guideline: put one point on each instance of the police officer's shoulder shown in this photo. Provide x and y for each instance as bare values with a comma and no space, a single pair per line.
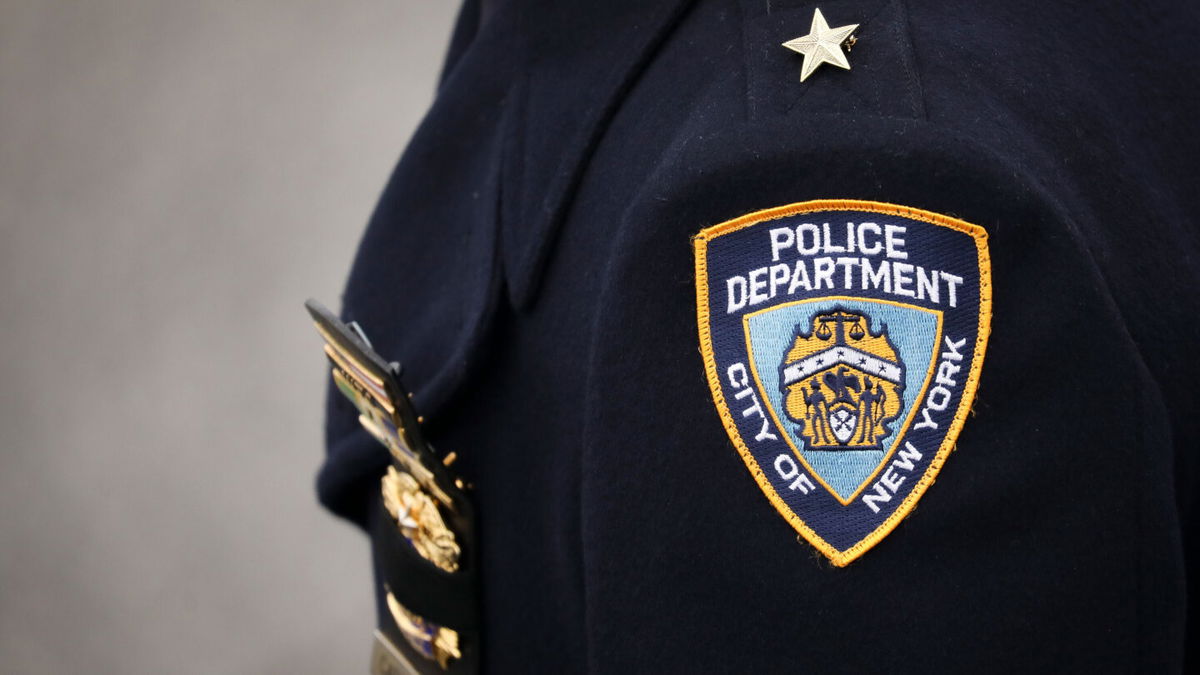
773,335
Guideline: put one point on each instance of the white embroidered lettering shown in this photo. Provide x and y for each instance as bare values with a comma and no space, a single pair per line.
927,421
938,398
907,455
893,242
823,272
808,229
902,276
927,285
952,282
781,238
781,274
873,249
758,285
739,379
786,467
954,346
881,495
891,480
799,278
737,293
889,483
846,264
877,278
945,371
829,247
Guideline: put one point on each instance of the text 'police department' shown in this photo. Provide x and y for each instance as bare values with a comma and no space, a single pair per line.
875,260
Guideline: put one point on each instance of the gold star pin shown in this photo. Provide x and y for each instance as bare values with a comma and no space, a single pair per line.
822,45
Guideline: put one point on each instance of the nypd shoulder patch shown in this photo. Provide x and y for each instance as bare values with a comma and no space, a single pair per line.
843,342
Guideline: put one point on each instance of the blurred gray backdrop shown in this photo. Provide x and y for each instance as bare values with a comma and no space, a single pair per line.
175,179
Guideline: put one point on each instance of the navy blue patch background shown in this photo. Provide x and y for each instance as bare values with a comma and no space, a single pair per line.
928,245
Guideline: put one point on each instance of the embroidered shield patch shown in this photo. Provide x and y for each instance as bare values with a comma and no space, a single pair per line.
843,342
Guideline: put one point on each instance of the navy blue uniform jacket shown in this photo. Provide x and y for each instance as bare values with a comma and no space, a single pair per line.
530,263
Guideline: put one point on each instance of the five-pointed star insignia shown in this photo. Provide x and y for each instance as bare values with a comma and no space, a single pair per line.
822,45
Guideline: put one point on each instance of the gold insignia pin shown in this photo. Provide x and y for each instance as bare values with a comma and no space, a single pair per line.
823,45
437,642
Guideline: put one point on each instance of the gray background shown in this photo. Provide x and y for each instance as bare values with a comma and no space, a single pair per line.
175,179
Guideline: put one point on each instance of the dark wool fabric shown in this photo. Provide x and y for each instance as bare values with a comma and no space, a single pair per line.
530,264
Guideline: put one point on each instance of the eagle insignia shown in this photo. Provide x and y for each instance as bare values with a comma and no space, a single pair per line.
842,385
843,342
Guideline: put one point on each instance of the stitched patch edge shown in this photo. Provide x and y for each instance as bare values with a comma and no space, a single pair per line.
841,558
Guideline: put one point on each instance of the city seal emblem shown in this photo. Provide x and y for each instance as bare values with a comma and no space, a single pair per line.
843,342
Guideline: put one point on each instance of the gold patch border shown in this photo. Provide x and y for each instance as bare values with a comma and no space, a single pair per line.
700,246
